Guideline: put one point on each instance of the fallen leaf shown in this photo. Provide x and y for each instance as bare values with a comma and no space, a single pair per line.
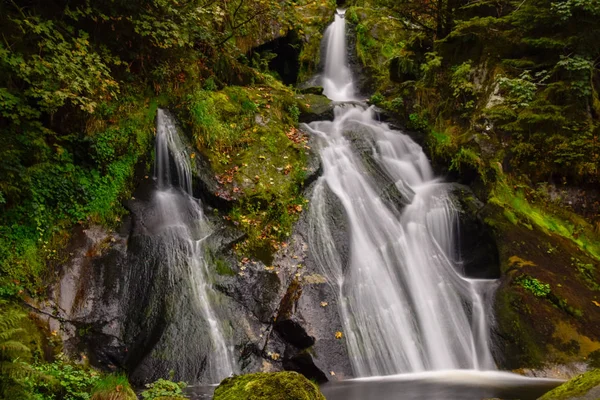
339,335
596,303
324,304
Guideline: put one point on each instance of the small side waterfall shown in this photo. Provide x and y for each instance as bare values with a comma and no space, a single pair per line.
181,228
405,303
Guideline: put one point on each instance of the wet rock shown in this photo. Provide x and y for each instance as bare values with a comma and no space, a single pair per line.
477,247
314,108
303,363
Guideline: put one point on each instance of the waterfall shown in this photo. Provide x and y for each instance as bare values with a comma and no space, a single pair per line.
337,80
404,301
180,231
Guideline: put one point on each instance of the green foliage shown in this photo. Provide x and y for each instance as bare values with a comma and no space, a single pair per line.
113,387
294,112
164,388
534,286
431,66
519,91
463,89
13,351
415,121
468,157
63,380
376,99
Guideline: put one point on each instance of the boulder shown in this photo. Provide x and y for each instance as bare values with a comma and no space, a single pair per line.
268,386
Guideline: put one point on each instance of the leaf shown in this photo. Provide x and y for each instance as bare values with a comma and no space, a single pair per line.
339,335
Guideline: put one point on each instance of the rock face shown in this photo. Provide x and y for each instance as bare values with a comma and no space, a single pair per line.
119,302
545,308
268,386
582,387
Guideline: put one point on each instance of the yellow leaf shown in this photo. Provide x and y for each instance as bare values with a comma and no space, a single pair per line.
339,335
193,155
596,303
324,304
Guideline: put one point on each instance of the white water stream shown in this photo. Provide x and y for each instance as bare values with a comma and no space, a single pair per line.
182,228
405,305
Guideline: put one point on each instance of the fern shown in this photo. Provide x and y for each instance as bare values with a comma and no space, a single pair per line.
12,354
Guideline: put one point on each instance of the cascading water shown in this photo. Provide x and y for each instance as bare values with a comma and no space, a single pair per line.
180,228
405,304
337,80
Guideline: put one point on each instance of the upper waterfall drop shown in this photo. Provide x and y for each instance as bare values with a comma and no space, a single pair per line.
404,301
337,80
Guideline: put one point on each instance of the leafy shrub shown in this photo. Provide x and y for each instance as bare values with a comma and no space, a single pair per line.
376,99
65,381
415,121
294,112
164,388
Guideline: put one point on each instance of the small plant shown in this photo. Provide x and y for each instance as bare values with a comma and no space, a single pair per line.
209,84
376,99
415,121
534,286
294,112
65,380
164,388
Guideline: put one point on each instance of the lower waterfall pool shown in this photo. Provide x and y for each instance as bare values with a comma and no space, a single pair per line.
431,385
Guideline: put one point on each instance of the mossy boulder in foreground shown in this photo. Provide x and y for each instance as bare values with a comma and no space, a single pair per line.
582,387
268,386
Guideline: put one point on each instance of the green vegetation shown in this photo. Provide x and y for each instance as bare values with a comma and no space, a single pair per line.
577,387
113,387
80,84
267,386
536,287
250,138
164,389
513,85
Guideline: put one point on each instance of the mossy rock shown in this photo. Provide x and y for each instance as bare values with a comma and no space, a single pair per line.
583,387
314,107
536,329
318,90
268,386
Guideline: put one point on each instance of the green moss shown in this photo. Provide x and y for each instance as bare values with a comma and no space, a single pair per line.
515,199
250,137
522,346
576,387
222,267
268,386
